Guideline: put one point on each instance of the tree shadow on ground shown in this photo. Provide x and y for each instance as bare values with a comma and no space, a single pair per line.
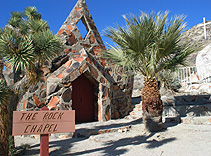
119,147
59,147
111,148
62,146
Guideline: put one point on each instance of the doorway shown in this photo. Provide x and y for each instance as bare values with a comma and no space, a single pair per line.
83,99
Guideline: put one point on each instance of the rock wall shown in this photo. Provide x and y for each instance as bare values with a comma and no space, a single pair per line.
121,93
187,105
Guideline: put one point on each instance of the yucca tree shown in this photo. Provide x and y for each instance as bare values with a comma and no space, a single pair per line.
4,118
25,44
148,44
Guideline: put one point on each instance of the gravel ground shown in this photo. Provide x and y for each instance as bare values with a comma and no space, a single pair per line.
174,140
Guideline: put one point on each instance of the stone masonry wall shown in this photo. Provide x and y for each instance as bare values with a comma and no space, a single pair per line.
121,93
186,105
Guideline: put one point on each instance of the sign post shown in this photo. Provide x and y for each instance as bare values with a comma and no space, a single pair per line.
44,140
44,145
43,122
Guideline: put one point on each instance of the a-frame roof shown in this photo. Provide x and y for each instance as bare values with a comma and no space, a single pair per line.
71,36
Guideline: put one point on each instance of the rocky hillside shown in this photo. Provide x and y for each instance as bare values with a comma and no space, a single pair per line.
195,35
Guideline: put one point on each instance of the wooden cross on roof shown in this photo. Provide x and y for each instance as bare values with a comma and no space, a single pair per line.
204,24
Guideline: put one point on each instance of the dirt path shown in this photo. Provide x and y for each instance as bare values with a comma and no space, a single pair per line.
174,140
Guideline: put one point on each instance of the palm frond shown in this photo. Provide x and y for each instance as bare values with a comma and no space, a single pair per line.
151,41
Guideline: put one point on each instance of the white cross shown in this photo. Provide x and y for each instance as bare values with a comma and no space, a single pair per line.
204,24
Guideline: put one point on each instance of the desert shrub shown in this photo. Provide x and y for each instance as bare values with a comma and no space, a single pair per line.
169,79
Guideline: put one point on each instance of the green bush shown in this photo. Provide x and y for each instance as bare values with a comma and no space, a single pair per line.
169,79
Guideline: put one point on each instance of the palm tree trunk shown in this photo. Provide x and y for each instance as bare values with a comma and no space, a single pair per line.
152,105
4,130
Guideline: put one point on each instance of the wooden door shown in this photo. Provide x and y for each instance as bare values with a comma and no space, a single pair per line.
83,99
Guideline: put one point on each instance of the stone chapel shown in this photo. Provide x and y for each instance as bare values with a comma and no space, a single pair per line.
79,79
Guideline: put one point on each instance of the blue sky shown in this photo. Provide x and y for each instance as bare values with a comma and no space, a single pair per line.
108,12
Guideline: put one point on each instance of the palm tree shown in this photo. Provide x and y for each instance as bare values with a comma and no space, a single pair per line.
26,43
148,44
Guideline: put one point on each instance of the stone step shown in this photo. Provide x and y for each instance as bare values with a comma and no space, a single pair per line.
196,120
201,120
94,128
175,119
187,110
186,100
175,111
86,133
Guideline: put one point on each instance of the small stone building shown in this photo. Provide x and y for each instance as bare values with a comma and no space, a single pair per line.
79,78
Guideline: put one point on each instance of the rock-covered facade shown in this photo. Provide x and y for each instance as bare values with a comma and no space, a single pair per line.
203,64
80,63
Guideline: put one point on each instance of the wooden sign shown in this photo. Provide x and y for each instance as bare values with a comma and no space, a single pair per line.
43,122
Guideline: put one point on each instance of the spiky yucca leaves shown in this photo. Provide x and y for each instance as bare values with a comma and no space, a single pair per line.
31,13
34,22
4,118
28,43
148,44
29,20
15,19
16,49
46,45
36,26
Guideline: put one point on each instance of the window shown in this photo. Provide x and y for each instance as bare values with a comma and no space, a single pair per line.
82,27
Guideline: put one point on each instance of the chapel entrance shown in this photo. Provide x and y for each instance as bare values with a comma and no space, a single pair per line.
83,99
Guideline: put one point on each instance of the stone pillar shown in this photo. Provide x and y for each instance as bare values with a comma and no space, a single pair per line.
100,108
104,103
